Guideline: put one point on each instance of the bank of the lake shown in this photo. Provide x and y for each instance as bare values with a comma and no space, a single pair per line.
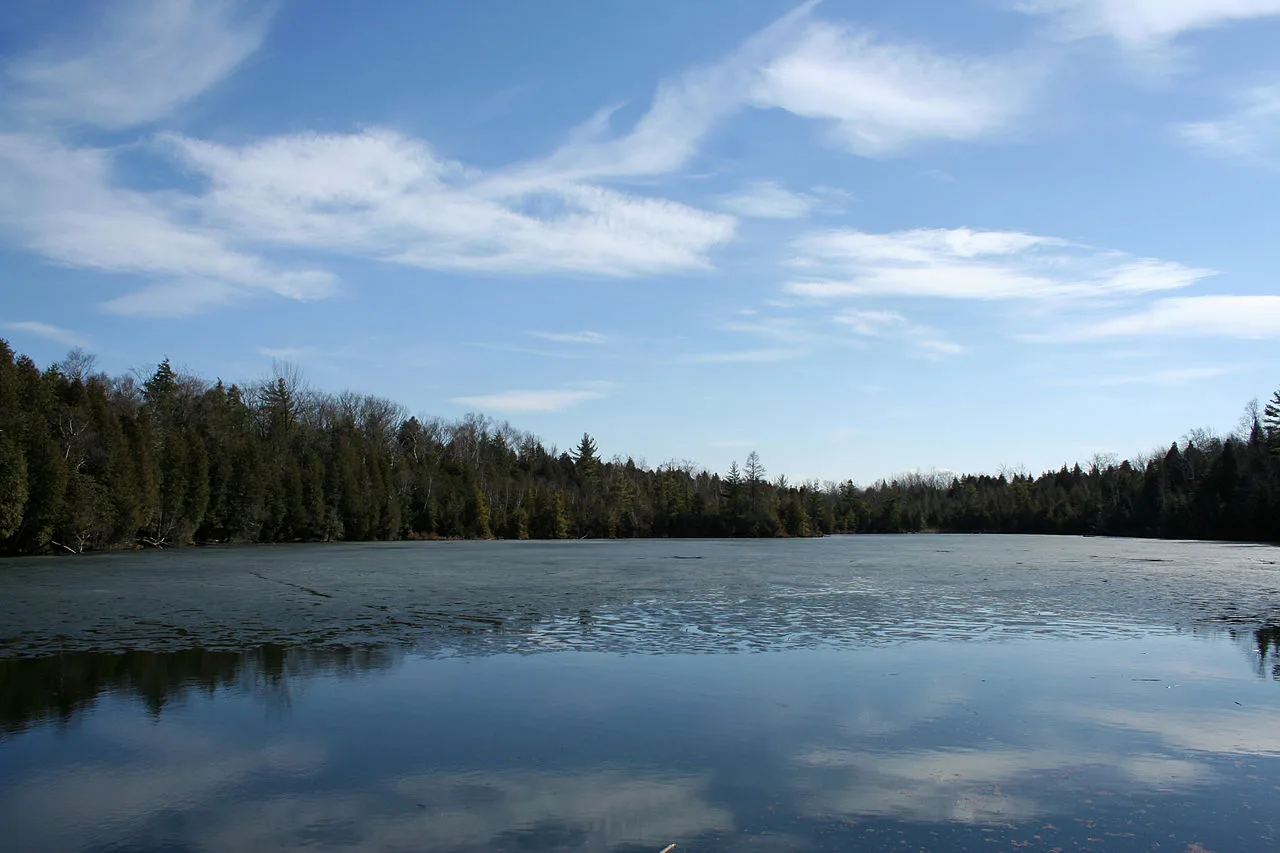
90,462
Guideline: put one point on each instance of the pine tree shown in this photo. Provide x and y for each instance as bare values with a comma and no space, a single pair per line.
585,457
1271,422
754,472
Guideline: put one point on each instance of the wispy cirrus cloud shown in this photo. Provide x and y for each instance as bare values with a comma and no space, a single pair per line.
1243,317
586,337
779,329
288,354
1249,135
64,204
918,339
769,200
797,335
746,356
982,265
1094,293
1170,378
881,96
536,400
1144,24
137,61
684,111
379,194
137,64
48,331
371,195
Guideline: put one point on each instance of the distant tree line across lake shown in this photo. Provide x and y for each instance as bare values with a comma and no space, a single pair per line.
89,462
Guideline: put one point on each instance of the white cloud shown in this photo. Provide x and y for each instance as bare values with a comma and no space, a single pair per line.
383,195
684,111
548,400
1247,317
871,324
788,330
136,64
288,354
941,176
922,340
173,299
1165,378
1250,135
49,332
571,337
750,356
769,200
883,96
139,61
1144,24
63,203
983,265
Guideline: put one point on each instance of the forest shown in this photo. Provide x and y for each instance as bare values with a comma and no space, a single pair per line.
93,462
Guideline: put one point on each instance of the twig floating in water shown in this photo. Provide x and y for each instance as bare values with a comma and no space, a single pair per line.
667,849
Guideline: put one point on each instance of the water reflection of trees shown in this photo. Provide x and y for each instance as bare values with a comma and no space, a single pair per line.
60,687
1263,647
1268,643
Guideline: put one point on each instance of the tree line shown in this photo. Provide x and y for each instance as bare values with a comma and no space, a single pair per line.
89,461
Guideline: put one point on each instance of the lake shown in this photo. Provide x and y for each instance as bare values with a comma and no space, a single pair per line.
940,693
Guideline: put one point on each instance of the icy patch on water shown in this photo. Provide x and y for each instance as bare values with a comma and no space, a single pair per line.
632,596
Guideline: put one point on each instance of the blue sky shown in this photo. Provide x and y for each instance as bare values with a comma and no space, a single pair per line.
859,237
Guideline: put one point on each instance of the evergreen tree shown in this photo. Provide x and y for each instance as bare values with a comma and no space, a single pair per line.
1271,422
585,458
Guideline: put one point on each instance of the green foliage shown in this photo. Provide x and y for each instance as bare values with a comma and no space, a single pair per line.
13,486
1271,422
585,457
160,387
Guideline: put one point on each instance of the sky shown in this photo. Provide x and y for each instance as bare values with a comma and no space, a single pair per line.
860,238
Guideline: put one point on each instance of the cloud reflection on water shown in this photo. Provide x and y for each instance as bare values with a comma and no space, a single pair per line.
592,810
743,751
978,786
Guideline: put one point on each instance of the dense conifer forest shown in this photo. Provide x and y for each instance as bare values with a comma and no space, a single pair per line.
89,462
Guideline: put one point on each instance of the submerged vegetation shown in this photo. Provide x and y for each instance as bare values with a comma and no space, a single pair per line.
89,461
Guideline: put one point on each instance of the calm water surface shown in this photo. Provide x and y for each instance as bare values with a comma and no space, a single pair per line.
916,693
